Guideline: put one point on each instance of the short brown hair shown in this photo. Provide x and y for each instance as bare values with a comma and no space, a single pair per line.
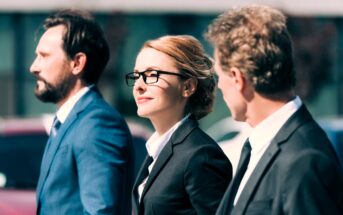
191,61
256,41
82,34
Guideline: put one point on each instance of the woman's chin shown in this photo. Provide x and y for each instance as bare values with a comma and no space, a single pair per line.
142,114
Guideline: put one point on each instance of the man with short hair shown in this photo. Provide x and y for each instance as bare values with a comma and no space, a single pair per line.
288,165
87,163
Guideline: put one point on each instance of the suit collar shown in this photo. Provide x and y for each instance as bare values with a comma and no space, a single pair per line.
156,143
84,101
77,109
67,107
299,118
184,130
177,138
263,133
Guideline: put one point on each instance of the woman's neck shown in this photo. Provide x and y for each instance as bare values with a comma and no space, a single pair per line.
163,124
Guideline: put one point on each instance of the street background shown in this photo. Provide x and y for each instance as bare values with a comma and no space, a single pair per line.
316,27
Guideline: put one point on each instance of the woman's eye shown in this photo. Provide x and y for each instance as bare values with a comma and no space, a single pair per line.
151,74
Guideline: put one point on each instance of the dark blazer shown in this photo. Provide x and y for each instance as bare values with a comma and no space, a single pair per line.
88,167
298,174
189,177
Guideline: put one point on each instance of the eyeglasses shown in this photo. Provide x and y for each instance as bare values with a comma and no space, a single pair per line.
149,76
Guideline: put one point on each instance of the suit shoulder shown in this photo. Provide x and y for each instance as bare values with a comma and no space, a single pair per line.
199,137
308,148
308,136
200,147
100,105
99,117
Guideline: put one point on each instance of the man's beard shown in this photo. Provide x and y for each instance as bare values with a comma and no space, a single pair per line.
54,93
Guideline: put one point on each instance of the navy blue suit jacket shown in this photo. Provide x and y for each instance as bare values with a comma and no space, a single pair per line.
88,167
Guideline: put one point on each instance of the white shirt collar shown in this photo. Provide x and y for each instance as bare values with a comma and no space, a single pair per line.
265,131
156,143
66,108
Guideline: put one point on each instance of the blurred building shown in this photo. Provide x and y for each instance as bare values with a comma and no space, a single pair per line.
316,26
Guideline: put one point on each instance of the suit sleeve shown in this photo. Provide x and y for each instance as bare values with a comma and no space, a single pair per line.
207,176
313,185
102,154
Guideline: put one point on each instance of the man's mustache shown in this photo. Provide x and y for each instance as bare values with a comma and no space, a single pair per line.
39,78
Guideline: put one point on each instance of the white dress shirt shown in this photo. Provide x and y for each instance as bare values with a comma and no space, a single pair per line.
262,135
63,112
154,146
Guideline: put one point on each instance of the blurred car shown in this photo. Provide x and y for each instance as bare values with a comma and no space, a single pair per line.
334,129
22,143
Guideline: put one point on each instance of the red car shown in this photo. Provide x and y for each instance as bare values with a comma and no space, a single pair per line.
17,202
22,143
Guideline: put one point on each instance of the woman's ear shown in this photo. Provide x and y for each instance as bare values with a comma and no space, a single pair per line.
189,87
79,63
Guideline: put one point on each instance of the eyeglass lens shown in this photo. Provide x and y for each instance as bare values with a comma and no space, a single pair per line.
149,77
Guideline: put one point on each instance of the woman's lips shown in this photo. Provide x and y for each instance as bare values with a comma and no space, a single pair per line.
141,100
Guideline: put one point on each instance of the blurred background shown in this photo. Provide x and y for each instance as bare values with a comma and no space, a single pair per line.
316,27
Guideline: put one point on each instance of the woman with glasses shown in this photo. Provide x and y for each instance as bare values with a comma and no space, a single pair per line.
185,171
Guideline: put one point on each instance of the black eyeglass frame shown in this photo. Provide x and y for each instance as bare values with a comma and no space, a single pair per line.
130,76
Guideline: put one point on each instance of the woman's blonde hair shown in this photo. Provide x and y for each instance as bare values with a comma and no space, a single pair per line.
191,61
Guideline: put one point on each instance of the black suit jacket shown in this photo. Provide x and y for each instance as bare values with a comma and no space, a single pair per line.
298,174
189,177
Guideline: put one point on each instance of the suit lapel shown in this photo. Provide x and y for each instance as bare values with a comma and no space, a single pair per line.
140,177
299,118
49,155
256,176
163,157
51,152
179,135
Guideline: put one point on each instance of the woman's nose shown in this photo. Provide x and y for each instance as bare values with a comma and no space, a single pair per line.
140,82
